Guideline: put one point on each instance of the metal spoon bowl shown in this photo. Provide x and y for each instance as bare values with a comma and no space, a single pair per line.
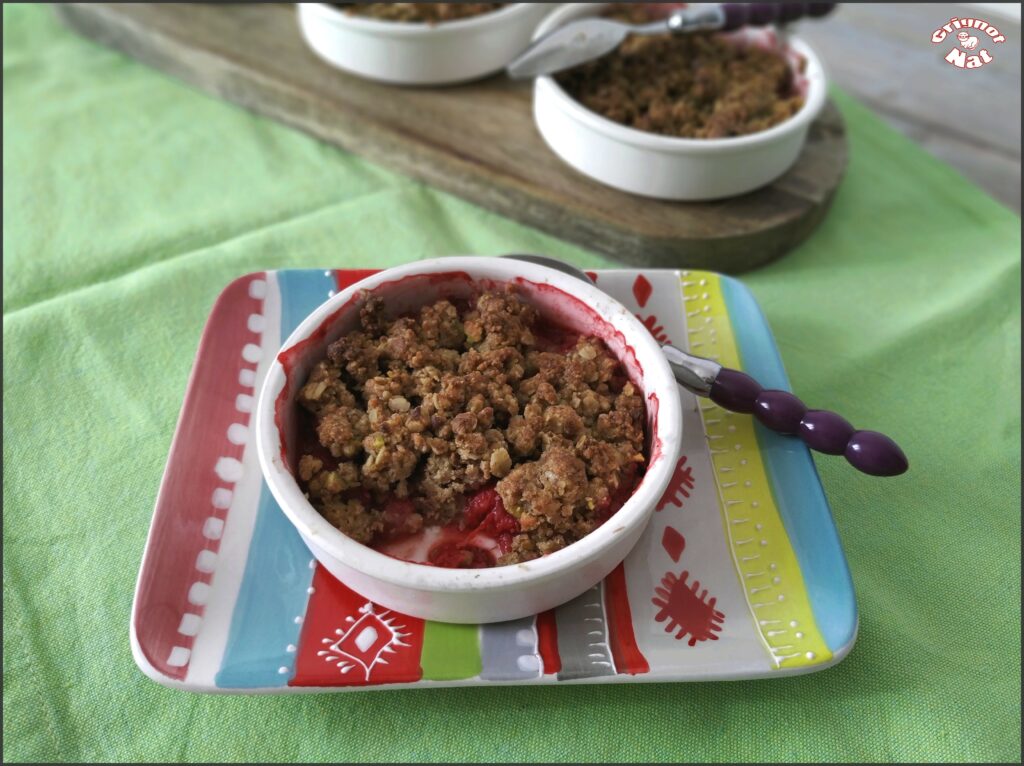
587,39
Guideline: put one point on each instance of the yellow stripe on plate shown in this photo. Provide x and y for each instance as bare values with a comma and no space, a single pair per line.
765,563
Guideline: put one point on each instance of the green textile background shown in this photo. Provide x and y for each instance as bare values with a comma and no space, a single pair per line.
130,201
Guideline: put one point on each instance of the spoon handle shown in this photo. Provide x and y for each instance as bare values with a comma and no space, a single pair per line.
761,14
868,451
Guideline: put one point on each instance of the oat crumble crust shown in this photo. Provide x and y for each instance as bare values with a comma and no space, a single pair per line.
696,85
432,13
413,415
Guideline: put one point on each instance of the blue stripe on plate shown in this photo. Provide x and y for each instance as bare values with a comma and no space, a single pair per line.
273,592
795,483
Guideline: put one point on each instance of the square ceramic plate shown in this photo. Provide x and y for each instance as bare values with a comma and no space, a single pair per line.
739,575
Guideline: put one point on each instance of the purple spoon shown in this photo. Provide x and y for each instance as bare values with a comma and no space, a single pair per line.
868,451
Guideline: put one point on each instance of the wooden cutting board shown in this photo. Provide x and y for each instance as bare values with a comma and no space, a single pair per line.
477,141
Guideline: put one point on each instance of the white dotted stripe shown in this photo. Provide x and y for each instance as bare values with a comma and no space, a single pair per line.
206,561
213,528
238,434
199,593
179,656
252,353
190,623
230,470
756,584
528,663
292,648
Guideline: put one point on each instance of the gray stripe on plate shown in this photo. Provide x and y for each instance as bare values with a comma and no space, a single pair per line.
583,637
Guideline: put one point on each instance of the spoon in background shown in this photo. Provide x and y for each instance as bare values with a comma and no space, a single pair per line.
586,39
823,431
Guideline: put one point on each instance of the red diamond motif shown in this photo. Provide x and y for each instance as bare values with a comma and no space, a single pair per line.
642,290
673,543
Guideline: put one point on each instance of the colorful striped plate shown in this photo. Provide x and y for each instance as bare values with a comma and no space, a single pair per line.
739,575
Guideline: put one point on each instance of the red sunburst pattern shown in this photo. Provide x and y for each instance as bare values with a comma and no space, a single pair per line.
679,485
657,330
684,611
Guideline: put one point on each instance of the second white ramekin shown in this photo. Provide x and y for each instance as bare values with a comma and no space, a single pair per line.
409,53
665,167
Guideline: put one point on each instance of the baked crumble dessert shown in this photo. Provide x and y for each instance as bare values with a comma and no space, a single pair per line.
468,434
430,13
698,85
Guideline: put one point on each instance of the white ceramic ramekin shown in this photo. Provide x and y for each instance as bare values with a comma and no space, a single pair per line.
472,595
659,166
417,53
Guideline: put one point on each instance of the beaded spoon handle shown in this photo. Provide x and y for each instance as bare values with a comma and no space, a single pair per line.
868,451
736,15
821,430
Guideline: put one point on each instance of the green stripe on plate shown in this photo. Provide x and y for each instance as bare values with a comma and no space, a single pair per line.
450,652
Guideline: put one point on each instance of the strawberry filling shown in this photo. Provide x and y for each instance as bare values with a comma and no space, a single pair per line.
484,532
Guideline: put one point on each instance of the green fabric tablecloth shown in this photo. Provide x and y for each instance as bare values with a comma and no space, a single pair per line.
130,201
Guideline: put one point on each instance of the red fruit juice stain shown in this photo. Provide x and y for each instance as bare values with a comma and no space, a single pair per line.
479,506
307,441
610,505
686,612
398,517
486,514
551,336
483,533
458,554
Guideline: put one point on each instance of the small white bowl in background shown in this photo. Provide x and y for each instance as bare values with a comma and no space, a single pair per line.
665,167
417,53
472,595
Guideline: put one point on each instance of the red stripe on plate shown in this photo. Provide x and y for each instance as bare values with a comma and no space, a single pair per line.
348,641
625,652
547,641
349,277
185,500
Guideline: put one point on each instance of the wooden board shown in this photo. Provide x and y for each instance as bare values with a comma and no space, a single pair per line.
477,141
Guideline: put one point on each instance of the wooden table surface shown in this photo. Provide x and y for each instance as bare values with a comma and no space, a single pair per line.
478,141
882,54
